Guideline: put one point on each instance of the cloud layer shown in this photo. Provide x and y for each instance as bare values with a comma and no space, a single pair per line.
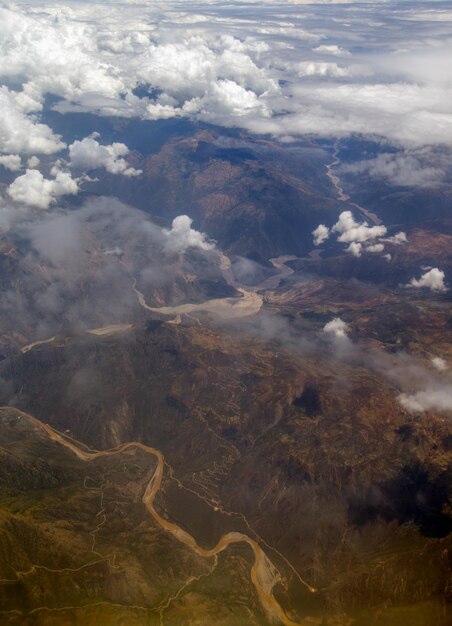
412,169
370,68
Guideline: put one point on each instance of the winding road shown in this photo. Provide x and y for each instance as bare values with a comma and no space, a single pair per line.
264,575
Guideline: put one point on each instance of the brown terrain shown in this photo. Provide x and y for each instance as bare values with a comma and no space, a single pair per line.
252,196
191,448
253,436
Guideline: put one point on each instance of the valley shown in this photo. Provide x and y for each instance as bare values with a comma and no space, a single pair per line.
225,313
184,435
263,573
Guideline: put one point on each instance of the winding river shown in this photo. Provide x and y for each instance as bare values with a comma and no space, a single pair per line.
249,303
341,195
264,575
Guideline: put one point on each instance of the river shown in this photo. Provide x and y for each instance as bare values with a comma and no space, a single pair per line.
341,195
264,575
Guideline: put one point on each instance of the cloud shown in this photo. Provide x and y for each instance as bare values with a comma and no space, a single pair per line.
79,265
189,67
359,235
245,271
355,249
429,400
32,189
226,97
33,162
90,154
420,389
333,49
58,241
336,327
20,130
321,234
439,363
11,162
254,71
182,236
351,231
408,115
316,68
375,248
397,239
400,169
433,280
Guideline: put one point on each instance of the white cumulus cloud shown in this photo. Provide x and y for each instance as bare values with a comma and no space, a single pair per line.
397,239
11,162
33,162
321,234
182,236
359,236
433,280
256,72
355,249
337,327
226,98
90,154
375,248
349,230
332,49
20,129
316,68
32,189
